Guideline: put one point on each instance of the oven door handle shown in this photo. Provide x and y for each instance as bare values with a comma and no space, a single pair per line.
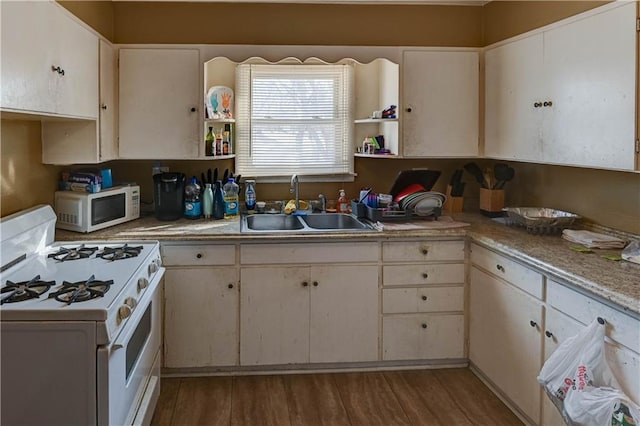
128,331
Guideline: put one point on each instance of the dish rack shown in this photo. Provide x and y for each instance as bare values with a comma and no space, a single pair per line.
540,220
361,210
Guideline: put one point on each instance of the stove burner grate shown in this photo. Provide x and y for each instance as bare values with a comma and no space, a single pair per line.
65,254
122,252
25,290
81,291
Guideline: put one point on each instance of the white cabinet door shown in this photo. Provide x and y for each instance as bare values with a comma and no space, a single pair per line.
591,79
200,317
440,95
274,315
344,314
159,103
108,105
505,339
36,38
513,100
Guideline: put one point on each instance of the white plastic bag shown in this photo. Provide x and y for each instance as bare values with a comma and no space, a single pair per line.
578,380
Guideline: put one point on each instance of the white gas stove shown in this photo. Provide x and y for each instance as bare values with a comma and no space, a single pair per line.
85,317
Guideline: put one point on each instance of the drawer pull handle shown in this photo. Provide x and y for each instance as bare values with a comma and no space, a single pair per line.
424,251
199,255
305,284
424,297
315,283
425,275
532,323
230,286
500,268
424,325
547,103
548,334
537,104
601,320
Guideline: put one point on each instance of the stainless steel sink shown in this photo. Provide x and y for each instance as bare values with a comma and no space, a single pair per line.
310,223
334,221
272,222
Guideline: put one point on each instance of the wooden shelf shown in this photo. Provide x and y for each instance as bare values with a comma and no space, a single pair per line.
359,154
216,157
219,120
374,120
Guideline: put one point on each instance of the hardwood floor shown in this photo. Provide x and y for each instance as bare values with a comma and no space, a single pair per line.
416,397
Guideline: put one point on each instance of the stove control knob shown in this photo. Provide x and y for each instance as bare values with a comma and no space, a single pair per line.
124,312
142,284
153,268
131,302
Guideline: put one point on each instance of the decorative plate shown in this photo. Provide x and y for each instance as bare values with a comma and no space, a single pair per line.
219,102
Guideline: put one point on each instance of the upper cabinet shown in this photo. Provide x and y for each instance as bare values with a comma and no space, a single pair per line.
49,62
160,104
566,95
440,114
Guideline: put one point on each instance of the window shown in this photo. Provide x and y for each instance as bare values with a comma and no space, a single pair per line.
294,119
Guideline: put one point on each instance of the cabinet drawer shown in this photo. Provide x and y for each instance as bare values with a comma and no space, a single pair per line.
413,300
423,274
410,251
620,327
309,253
203,254
423,337
519,275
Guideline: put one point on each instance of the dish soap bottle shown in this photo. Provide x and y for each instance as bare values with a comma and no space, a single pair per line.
250,195
343,203
231,199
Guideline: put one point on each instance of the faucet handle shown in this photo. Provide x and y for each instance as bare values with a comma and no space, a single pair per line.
323,202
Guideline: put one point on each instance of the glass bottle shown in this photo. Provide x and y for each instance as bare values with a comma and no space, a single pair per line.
209,143
219,142
207,201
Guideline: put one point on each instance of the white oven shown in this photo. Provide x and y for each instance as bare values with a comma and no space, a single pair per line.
81,327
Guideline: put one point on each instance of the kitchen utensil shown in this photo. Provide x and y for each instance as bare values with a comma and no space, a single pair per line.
215,175
202,181
225,176
500,172
476,172
209,176
488,177
509,174
426,178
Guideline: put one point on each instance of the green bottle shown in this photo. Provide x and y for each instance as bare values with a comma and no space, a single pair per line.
209,143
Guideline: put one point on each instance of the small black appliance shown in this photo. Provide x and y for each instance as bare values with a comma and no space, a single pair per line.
169,195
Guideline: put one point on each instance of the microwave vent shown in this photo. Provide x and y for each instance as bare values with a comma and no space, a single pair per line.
71,219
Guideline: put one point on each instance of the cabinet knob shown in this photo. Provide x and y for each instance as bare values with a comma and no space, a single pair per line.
424,297
315,283
199,255
409,109
424,251
230,286
547,103
193,109
103,106
601,320
305,284
532,323
424,325
537,104
500,268
548,334
57,69
425,275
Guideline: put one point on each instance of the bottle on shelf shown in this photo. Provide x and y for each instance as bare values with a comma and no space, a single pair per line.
209,143
218,201
228,138
250,195
219,142
230,191
343,203
192,205
207,201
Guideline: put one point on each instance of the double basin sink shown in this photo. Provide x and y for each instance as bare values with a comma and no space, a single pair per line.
312,222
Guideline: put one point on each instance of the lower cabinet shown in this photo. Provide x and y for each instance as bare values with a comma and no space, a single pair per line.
302,314
201,294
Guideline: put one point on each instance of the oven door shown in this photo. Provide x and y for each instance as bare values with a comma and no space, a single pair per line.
128,369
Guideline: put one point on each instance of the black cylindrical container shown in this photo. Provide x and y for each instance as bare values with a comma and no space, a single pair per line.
168,191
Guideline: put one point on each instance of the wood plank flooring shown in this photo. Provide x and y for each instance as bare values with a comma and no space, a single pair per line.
415,397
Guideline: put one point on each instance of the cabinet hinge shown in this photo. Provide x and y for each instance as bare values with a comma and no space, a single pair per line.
637,24
637,146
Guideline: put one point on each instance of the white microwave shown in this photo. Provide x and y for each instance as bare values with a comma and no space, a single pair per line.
86,212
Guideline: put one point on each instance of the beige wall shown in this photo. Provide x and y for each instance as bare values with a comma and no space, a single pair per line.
607,197
25,180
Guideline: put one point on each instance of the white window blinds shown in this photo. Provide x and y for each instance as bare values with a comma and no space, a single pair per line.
294,119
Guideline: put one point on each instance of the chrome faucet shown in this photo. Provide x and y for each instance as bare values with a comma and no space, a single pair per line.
294,188
323,203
